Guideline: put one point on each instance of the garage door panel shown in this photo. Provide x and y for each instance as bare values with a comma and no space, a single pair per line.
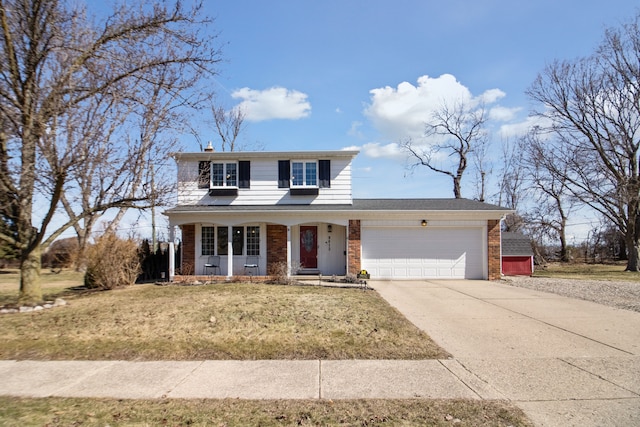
423,253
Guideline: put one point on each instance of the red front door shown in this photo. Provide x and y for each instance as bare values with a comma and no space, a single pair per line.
309,246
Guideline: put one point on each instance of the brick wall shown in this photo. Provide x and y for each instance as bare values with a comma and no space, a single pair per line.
188,249
354,248
276,245
493,242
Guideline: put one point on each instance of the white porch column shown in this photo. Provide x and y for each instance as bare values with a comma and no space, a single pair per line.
172,259
288,251
229,252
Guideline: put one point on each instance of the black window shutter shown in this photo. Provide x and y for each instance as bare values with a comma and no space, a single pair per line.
324,173
284,173
204,174
244,174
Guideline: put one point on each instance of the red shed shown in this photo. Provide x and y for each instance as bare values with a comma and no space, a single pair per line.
517,255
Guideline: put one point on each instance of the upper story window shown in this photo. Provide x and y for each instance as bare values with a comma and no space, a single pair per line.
299,173
304,174
224,174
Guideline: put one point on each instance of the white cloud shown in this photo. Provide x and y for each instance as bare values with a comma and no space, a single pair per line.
492,95
401,112
514,130
355,131
272,103
503,114
388,151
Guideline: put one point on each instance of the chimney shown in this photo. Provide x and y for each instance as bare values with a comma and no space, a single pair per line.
209,148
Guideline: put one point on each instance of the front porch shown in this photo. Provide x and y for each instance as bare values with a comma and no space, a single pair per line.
307,250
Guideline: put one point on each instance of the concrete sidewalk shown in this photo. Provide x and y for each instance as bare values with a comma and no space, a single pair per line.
566,362
265,379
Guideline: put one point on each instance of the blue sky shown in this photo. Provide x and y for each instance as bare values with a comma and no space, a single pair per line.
326,75
366,74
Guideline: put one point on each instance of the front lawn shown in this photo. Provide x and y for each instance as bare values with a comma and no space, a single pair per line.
214,322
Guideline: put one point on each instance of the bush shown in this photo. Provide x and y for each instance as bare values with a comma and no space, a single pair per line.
61,254
112,263
279,273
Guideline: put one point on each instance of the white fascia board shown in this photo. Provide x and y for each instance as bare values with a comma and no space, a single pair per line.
249,155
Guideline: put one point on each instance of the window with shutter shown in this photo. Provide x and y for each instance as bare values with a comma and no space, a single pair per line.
244,174
284,173
324,173
204,174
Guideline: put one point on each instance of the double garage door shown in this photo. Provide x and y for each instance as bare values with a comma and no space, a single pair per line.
423,253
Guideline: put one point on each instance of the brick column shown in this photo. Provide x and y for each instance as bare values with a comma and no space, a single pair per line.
276,245
494,252
354,254
188,262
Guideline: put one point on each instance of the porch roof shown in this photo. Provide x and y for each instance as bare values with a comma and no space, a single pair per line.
358,205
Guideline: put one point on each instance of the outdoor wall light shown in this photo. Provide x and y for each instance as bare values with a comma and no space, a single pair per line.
424,223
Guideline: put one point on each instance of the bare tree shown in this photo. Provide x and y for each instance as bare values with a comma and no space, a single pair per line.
593,104
229,124
54,59
121,141
553,203
512,187
452,132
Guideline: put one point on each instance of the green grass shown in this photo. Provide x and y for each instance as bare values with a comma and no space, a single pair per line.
101,412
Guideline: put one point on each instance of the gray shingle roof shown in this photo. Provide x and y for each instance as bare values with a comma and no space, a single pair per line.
516,244
358,205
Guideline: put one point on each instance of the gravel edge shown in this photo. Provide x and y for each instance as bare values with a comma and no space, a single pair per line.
623,295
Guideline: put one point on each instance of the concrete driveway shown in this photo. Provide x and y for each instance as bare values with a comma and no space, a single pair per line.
565,362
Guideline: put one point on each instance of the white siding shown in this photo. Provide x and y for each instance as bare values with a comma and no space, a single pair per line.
264,186
423,252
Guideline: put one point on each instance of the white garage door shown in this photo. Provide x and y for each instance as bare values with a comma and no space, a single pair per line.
423,253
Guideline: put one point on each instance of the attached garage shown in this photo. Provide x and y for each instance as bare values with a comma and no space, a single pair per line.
424,252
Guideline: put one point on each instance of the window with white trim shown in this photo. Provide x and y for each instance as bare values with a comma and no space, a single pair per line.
215,240
224,174
304,174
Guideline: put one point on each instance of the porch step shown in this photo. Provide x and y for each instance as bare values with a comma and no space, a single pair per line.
308,272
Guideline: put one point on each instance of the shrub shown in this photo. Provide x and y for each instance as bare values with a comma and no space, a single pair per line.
112,262
61,254
279,273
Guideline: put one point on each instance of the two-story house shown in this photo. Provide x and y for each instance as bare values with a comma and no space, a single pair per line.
297,208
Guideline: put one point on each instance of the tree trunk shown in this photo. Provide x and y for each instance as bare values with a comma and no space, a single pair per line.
631,238
30,290
564,254
457,192
633,263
